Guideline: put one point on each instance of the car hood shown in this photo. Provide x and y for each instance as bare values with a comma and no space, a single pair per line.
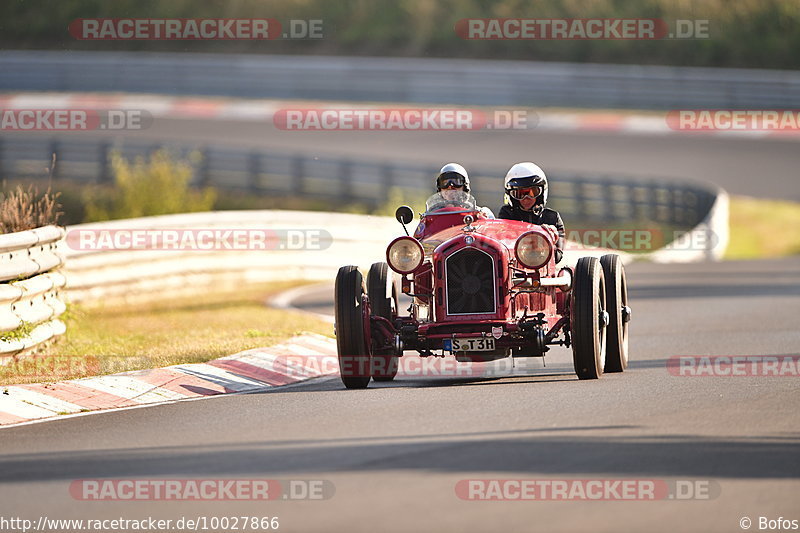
504,231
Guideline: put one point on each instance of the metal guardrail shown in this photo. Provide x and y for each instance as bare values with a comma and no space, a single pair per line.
588,199
30,292
424,80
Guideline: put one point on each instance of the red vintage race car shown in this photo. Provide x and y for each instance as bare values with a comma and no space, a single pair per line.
481,289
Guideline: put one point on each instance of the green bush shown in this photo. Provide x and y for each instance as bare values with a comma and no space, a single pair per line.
398,197
157,186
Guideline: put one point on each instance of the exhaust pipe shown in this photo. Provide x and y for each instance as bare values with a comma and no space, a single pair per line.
563,281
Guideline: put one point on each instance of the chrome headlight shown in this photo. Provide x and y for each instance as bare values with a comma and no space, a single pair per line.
404,255
533,249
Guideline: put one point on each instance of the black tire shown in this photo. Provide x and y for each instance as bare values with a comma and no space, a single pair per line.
588,329
385,362
616,300
354,359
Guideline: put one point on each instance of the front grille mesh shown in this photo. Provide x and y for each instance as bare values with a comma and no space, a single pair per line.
470,282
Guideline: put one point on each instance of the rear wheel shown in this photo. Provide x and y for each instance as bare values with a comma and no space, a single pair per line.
383,302
589,319
351,341
618,311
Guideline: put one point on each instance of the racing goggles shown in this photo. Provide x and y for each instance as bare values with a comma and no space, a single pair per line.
522,192
451,182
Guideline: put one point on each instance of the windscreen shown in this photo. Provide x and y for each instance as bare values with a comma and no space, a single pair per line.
443,199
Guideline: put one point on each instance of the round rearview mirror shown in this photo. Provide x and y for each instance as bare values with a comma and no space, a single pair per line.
404,214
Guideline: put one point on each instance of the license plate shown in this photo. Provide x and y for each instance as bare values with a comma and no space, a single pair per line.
469,344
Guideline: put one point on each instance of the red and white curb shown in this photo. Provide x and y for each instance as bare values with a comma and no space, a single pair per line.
651,123
299,359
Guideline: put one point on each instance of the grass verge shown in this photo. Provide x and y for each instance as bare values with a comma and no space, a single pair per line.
762,229
77,199
183,330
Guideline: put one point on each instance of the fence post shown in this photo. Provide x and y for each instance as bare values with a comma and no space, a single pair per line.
628,198
345,180
387,173
103,174
54,149
254,168
580,196
298,170
610,204
677,213
204,177
652,200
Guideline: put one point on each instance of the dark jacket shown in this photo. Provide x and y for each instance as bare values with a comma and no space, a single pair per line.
547,216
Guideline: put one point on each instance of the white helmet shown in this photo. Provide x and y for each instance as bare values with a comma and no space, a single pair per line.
526,175
453,171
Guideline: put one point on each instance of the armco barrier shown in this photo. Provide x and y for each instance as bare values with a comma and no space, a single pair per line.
30,288
584,198
422,80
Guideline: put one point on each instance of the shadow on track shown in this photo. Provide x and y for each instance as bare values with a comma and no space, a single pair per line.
532,453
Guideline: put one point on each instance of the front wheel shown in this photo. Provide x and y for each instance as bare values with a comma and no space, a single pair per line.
618,311
589,319
383,302
351,341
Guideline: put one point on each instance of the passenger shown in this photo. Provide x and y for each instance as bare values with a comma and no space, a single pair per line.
526,200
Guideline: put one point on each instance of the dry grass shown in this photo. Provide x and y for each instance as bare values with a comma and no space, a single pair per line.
24,208
185,330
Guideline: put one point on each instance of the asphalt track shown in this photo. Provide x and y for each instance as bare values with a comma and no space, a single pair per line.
395,452
763,167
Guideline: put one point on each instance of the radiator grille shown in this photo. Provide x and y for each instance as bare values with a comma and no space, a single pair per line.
470,282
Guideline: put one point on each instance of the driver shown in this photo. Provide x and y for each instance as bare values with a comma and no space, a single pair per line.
452,182
526,198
